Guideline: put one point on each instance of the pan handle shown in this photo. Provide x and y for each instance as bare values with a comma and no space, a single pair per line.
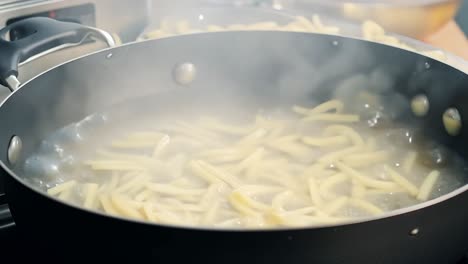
34,37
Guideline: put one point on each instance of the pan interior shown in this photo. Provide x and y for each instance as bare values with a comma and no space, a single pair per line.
379,85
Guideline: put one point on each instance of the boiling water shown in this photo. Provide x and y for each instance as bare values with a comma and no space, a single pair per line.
299,166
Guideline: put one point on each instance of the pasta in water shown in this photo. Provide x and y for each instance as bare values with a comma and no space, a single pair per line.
310,166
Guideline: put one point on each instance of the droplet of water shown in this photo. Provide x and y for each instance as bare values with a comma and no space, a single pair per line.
70,134
41,166
335,43
427,65
51,148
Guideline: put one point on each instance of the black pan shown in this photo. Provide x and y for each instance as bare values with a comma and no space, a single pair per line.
270,68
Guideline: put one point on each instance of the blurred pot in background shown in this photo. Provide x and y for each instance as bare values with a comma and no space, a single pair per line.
414,18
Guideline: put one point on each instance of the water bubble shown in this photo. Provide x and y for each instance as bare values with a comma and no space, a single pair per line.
91,124
427,65
400,137
68,135
434,155
68,162
377,119
42,167
48,147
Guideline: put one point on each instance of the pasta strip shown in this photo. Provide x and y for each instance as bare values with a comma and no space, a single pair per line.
150,135
148,212
229,223
302,211
371,144
326,141
366,159
224,176
91,194
143,196
337,155
402,181
335,205
199,171
306,24
225,155
114,165
124,207
258,189
366,181
332,118
426,188
122,157
114,182
210,215
366,206
332,105
161,145
203,133
133,144
329,183
249,202
61,188
322,28
210,195
358,190
241,204
344,130
267,25
290,148
172,190
255,157
314,193
279,200
216,125
253,137
65,195
137,181
381,192
409,161
107,204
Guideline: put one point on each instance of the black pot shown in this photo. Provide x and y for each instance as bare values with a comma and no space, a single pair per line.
272,68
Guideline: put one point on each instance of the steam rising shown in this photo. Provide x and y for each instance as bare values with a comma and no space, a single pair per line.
237,74
235,71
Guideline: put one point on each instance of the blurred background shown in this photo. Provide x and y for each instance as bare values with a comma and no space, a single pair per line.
462,16
441,23
436,28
